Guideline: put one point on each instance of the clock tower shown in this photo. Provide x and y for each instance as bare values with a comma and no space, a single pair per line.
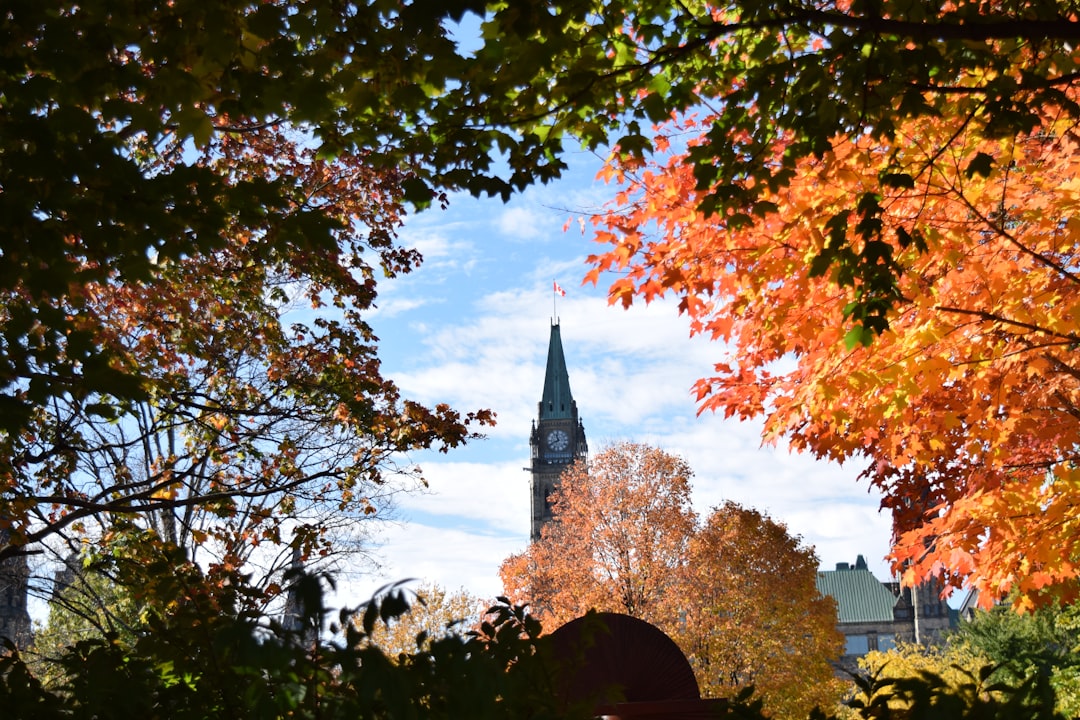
558,437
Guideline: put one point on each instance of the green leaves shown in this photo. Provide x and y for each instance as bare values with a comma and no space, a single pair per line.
204,648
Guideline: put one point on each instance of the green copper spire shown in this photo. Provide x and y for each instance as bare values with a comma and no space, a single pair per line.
557,402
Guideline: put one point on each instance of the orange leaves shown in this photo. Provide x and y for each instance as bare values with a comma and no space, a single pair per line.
619,529
622,291
971,399
737,592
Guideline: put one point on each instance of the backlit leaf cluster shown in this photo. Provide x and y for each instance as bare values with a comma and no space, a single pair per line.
963,410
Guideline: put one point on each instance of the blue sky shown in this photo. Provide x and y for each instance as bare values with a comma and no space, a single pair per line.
470,328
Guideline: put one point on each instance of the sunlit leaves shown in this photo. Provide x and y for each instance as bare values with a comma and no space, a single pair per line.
433,614
955,388
619,533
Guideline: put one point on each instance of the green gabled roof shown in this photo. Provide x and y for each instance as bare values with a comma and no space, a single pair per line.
557,402
860,597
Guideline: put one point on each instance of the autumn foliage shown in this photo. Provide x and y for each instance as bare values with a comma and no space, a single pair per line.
190,253
434,613
736,592
965,412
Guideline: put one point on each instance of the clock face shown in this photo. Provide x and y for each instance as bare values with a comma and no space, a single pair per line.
558,440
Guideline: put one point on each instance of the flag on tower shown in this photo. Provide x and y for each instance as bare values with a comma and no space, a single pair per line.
559,289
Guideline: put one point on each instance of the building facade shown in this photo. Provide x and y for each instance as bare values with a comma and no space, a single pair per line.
14,596
876,615
558,435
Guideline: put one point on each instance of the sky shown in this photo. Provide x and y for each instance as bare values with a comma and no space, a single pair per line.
470,327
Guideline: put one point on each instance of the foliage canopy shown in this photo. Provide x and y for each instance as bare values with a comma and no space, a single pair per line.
874,204
177,183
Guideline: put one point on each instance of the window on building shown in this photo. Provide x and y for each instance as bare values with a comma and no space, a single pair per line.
856,645
886,642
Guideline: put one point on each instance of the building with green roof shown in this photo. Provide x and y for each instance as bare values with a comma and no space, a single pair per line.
875,615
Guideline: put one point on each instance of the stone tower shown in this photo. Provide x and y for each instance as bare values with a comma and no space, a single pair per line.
14,592
558,437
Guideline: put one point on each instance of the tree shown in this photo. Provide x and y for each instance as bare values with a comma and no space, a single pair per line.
178,183
737,593
86,604
1042,643
616,541
964,412
202,651
94,100
111,112
751,614
800,74
433,614
256,427
919,681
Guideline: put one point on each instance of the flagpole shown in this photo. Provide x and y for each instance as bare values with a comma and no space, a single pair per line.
556,291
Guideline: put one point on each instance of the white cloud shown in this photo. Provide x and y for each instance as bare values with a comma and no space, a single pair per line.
491,495
525,223
452,557
394,306
481,340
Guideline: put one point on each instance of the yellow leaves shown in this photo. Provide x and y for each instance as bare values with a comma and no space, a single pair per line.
166,491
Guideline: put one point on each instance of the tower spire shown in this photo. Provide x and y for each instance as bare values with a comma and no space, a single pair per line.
558,436
557,401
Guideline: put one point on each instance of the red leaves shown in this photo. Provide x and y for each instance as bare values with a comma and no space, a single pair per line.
251,428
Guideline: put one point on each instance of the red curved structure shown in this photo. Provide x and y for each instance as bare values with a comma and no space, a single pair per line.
627,668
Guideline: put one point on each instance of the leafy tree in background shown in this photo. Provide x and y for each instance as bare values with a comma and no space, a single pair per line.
953,666
1043,643
86,604
953,681
999,659
433,613
751,614
617,539
737,594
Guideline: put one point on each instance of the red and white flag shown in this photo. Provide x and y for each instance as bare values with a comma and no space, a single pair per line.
558,289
